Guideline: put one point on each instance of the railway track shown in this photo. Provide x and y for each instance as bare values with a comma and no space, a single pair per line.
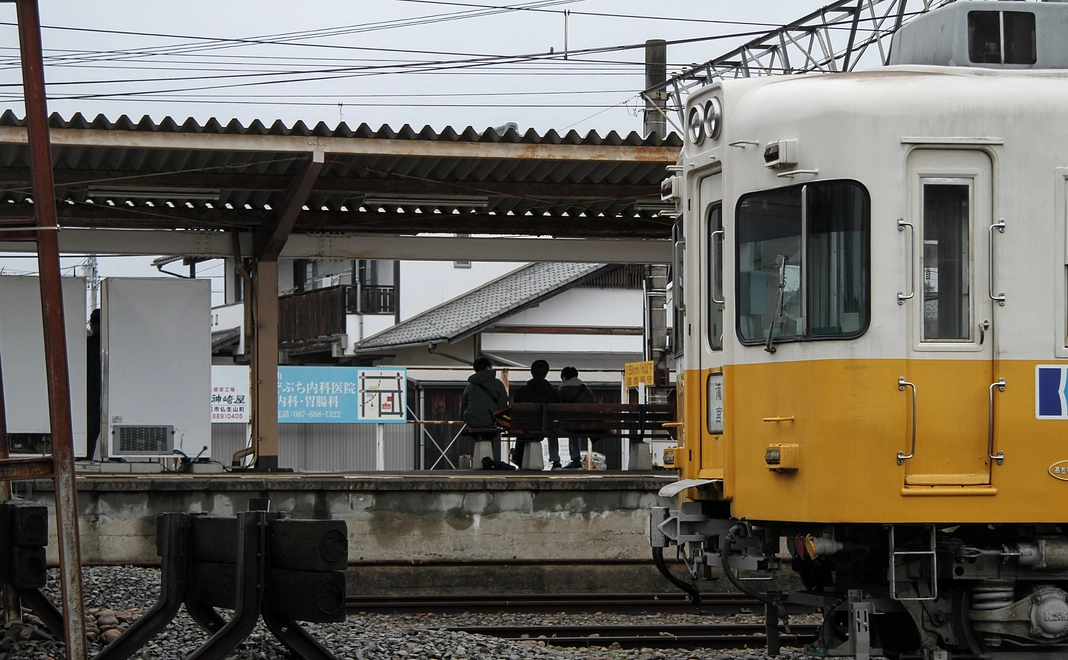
553,603
710,636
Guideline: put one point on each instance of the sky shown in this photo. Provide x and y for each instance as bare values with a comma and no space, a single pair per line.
436,63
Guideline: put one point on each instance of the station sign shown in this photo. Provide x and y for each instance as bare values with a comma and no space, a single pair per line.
635,373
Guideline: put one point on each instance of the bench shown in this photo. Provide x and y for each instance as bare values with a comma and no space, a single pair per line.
638,422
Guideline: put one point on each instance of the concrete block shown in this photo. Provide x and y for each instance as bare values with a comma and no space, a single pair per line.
207,468
641,456
483,448
145,468
532,458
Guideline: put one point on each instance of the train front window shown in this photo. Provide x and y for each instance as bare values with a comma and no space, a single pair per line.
946,292
1002,37
803,263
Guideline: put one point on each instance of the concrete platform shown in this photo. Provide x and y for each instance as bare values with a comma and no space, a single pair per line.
408,531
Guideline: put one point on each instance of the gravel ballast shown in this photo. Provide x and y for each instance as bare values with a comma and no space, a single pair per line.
116,596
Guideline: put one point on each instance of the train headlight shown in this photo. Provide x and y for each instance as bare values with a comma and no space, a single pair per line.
695,124
713,118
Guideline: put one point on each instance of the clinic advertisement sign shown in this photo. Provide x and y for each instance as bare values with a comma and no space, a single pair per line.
229,394
341,395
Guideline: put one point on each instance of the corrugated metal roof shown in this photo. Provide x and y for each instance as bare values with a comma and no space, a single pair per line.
146,174
466,314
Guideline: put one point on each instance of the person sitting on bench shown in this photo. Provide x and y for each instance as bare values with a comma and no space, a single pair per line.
537,390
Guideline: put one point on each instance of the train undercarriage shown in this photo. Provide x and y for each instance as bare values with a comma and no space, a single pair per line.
937,592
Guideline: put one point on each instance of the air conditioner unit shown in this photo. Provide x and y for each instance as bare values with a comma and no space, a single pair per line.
131,440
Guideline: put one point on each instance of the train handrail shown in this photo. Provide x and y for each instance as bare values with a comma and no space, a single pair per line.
901,385
1000,297
901,224
1000,456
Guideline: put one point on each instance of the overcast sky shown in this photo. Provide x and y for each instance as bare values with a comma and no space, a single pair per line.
381,62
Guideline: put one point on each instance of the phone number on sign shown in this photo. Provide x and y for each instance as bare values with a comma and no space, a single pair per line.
309,414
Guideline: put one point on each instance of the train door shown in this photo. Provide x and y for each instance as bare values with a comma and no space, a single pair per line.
713,447
950,365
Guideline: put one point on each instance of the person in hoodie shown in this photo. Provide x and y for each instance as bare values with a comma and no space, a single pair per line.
573,390
537,390
483,394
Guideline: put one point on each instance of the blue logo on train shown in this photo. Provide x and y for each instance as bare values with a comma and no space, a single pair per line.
1051,392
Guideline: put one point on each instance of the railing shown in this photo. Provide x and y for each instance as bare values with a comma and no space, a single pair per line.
371,300
321,313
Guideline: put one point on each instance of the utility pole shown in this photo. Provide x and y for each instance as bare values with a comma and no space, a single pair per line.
655,75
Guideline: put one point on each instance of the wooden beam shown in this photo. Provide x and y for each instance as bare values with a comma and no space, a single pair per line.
562,330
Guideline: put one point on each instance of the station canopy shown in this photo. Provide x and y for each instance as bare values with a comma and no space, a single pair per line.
152,175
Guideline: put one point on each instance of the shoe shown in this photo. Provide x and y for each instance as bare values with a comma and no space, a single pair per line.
556,465
573,465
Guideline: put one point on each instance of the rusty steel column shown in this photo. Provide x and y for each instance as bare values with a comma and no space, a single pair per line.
265,364
55,340
11,602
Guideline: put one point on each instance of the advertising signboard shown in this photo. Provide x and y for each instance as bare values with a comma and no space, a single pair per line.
341,395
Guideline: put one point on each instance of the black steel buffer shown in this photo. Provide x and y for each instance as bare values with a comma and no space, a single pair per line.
257,564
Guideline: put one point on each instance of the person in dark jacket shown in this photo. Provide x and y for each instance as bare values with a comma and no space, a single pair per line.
537,390
483,395
573,390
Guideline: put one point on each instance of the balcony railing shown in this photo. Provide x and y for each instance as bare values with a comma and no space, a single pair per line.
321,313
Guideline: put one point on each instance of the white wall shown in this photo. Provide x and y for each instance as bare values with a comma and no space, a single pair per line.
601,308
426,284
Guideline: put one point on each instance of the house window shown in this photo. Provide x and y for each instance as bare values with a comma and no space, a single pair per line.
803,263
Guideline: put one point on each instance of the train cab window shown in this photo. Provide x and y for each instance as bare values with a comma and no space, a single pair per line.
1001,37
946,293
715,277
804,263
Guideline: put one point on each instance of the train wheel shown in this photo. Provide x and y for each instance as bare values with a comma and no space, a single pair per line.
962,625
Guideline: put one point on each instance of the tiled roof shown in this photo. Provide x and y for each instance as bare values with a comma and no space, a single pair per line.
467,314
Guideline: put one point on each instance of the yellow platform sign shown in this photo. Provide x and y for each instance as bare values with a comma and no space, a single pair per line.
638,372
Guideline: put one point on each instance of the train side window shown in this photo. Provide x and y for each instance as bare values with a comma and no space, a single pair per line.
946,258
715,277
1002,37
804,261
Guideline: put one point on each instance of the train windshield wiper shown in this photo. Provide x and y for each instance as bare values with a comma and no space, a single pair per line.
777,314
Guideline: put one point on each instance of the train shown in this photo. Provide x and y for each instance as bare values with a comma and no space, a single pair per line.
871,337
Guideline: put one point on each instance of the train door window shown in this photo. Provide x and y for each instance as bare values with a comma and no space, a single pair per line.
678,284
947,296
715,277
804,263
1002,37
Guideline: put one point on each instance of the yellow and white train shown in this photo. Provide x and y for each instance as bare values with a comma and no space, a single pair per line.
872,285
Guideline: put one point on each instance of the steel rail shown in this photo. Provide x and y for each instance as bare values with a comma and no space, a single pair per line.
720,603
717,636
